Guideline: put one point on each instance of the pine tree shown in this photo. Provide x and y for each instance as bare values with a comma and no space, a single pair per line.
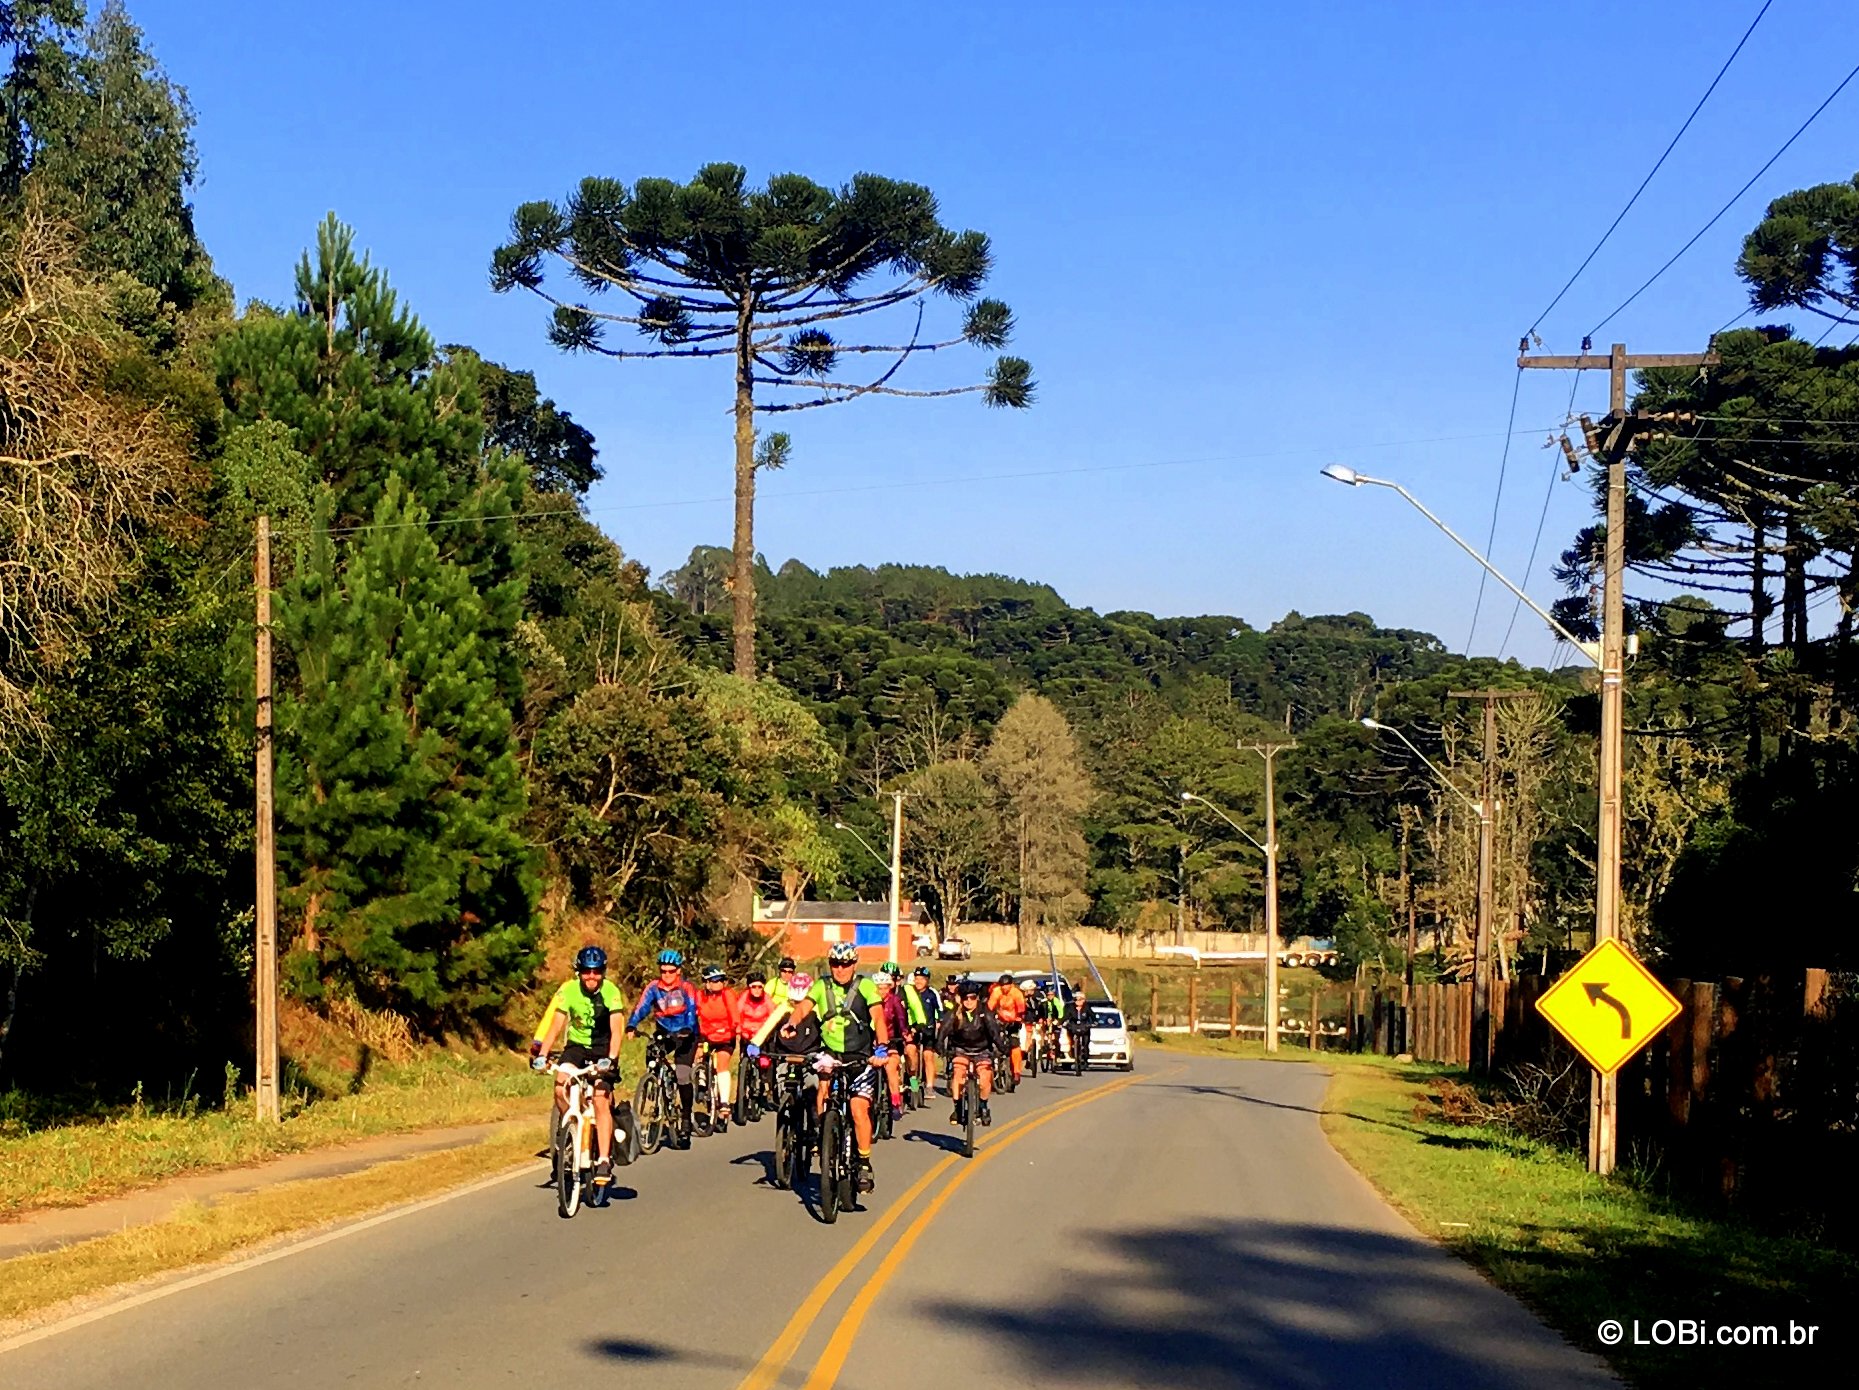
1034,763
400,794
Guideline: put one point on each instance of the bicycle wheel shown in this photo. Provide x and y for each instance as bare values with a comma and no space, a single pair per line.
568,1170
971,1106
784,1152
829,1166
703,1084
748,1090
650,1115
1003,1073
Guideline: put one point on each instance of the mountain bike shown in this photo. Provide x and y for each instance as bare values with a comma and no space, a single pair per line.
971,1102
916,1085
703,1091
838,1147
571,1150
1081,1052
793,1106
751,1086
656,1111
1003,1064
1036,1049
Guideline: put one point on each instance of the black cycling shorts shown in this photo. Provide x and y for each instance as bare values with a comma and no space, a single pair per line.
584,1054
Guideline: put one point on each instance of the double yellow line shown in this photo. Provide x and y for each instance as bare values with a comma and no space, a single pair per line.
768,1370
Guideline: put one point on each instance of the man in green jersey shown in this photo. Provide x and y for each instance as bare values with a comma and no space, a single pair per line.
852,1024
585,1006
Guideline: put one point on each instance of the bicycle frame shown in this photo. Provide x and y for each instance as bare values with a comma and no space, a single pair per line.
574,1137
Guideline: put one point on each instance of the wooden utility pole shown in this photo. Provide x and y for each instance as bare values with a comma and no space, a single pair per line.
897,871
1487,858
265,987
1604,1099
1269,752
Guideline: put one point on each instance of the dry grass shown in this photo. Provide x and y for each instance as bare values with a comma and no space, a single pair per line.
200,1234
76,1163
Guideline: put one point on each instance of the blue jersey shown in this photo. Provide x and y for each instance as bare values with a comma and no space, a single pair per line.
672,1007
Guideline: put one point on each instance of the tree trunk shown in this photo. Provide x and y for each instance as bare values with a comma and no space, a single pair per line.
742,573
1758,617
11,1009
1794,620
1023,930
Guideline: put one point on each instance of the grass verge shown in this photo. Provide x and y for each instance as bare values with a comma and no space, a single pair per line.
200,1234
71,1164
1578,1248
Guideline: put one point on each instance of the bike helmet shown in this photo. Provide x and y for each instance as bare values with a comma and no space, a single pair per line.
714,975
670,957
1004,980
843,953
590,958
798,985
787,963
969,988
757,977
920,973
891,968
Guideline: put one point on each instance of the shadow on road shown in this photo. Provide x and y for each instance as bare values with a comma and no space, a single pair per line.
1249,1303
765,1157
1232,1094
936,1139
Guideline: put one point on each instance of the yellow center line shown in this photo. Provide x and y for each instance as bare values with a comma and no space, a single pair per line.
768,1370
839,1345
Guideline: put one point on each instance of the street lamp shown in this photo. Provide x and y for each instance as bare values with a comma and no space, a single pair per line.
1336,471
1481,947
1270,850
895,863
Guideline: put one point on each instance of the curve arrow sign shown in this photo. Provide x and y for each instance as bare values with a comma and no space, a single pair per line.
1597,994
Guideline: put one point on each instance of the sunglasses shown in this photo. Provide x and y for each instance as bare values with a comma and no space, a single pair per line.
668,970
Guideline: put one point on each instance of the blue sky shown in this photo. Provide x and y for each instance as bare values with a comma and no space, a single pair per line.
1241,240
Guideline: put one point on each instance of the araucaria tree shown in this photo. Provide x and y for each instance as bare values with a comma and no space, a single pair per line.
768,278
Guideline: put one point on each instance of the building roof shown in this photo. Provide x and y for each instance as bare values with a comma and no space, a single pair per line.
837,912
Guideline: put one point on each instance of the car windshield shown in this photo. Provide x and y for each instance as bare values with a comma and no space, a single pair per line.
1106,1018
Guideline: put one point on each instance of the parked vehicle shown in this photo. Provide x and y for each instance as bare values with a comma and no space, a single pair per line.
923,944
1110,1039
954,948
1309,950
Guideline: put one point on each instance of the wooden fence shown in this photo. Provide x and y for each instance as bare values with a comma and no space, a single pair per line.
1749,1097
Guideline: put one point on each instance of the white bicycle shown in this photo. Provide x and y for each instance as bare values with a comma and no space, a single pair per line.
572,1150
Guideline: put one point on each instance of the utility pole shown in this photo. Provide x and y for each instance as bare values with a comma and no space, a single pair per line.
897,869
265,1042
1604,1094
1269,752
1487,818
1181,888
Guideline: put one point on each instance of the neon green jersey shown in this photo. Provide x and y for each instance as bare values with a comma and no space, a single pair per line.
587,1013
837,1007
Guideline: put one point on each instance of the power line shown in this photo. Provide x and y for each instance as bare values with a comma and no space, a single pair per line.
1491,537
1717,216
1656,166
768,496
1555,471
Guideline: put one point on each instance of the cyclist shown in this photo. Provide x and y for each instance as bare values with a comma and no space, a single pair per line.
1044,1013
584,1007
784,973
852,1022
793,1028
971,1035
1077,1021
898,1022
718,1022
927,1004
1007,1002
754,1006
672,1004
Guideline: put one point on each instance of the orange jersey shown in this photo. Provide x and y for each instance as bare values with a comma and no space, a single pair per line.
1007,1003
718,1017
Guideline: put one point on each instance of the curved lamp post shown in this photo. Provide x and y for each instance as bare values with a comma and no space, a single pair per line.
1270,851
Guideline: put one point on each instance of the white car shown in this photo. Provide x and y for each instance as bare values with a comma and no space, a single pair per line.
1110,1038
954,948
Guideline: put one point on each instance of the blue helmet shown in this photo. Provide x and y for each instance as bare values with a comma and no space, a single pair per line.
590,958
843,953
670,957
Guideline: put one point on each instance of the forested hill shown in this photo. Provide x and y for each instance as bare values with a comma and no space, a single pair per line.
856,630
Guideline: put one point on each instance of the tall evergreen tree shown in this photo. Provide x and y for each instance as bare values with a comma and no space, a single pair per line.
95,122
400,794
764,277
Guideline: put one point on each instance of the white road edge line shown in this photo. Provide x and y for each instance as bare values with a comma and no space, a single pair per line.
123,1305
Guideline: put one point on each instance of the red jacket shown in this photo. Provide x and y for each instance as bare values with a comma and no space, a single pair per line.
751,1013
717,1016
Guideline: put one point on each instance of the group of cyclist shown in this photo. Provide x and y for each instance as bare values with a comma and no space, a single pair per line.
881,1027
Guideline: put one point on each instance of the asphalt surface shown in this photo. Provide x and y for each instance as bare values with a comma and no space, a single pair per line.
1187,1226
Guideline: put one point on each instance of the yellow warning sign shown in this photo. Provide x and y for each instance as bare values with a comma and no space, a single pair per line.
1608,1005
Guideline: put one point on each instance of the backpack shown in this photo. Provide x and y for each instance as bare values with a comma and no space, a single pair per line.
850,1006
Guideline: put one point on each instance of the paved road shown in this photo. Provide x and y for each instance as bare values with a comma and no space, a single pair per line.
1187,1226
